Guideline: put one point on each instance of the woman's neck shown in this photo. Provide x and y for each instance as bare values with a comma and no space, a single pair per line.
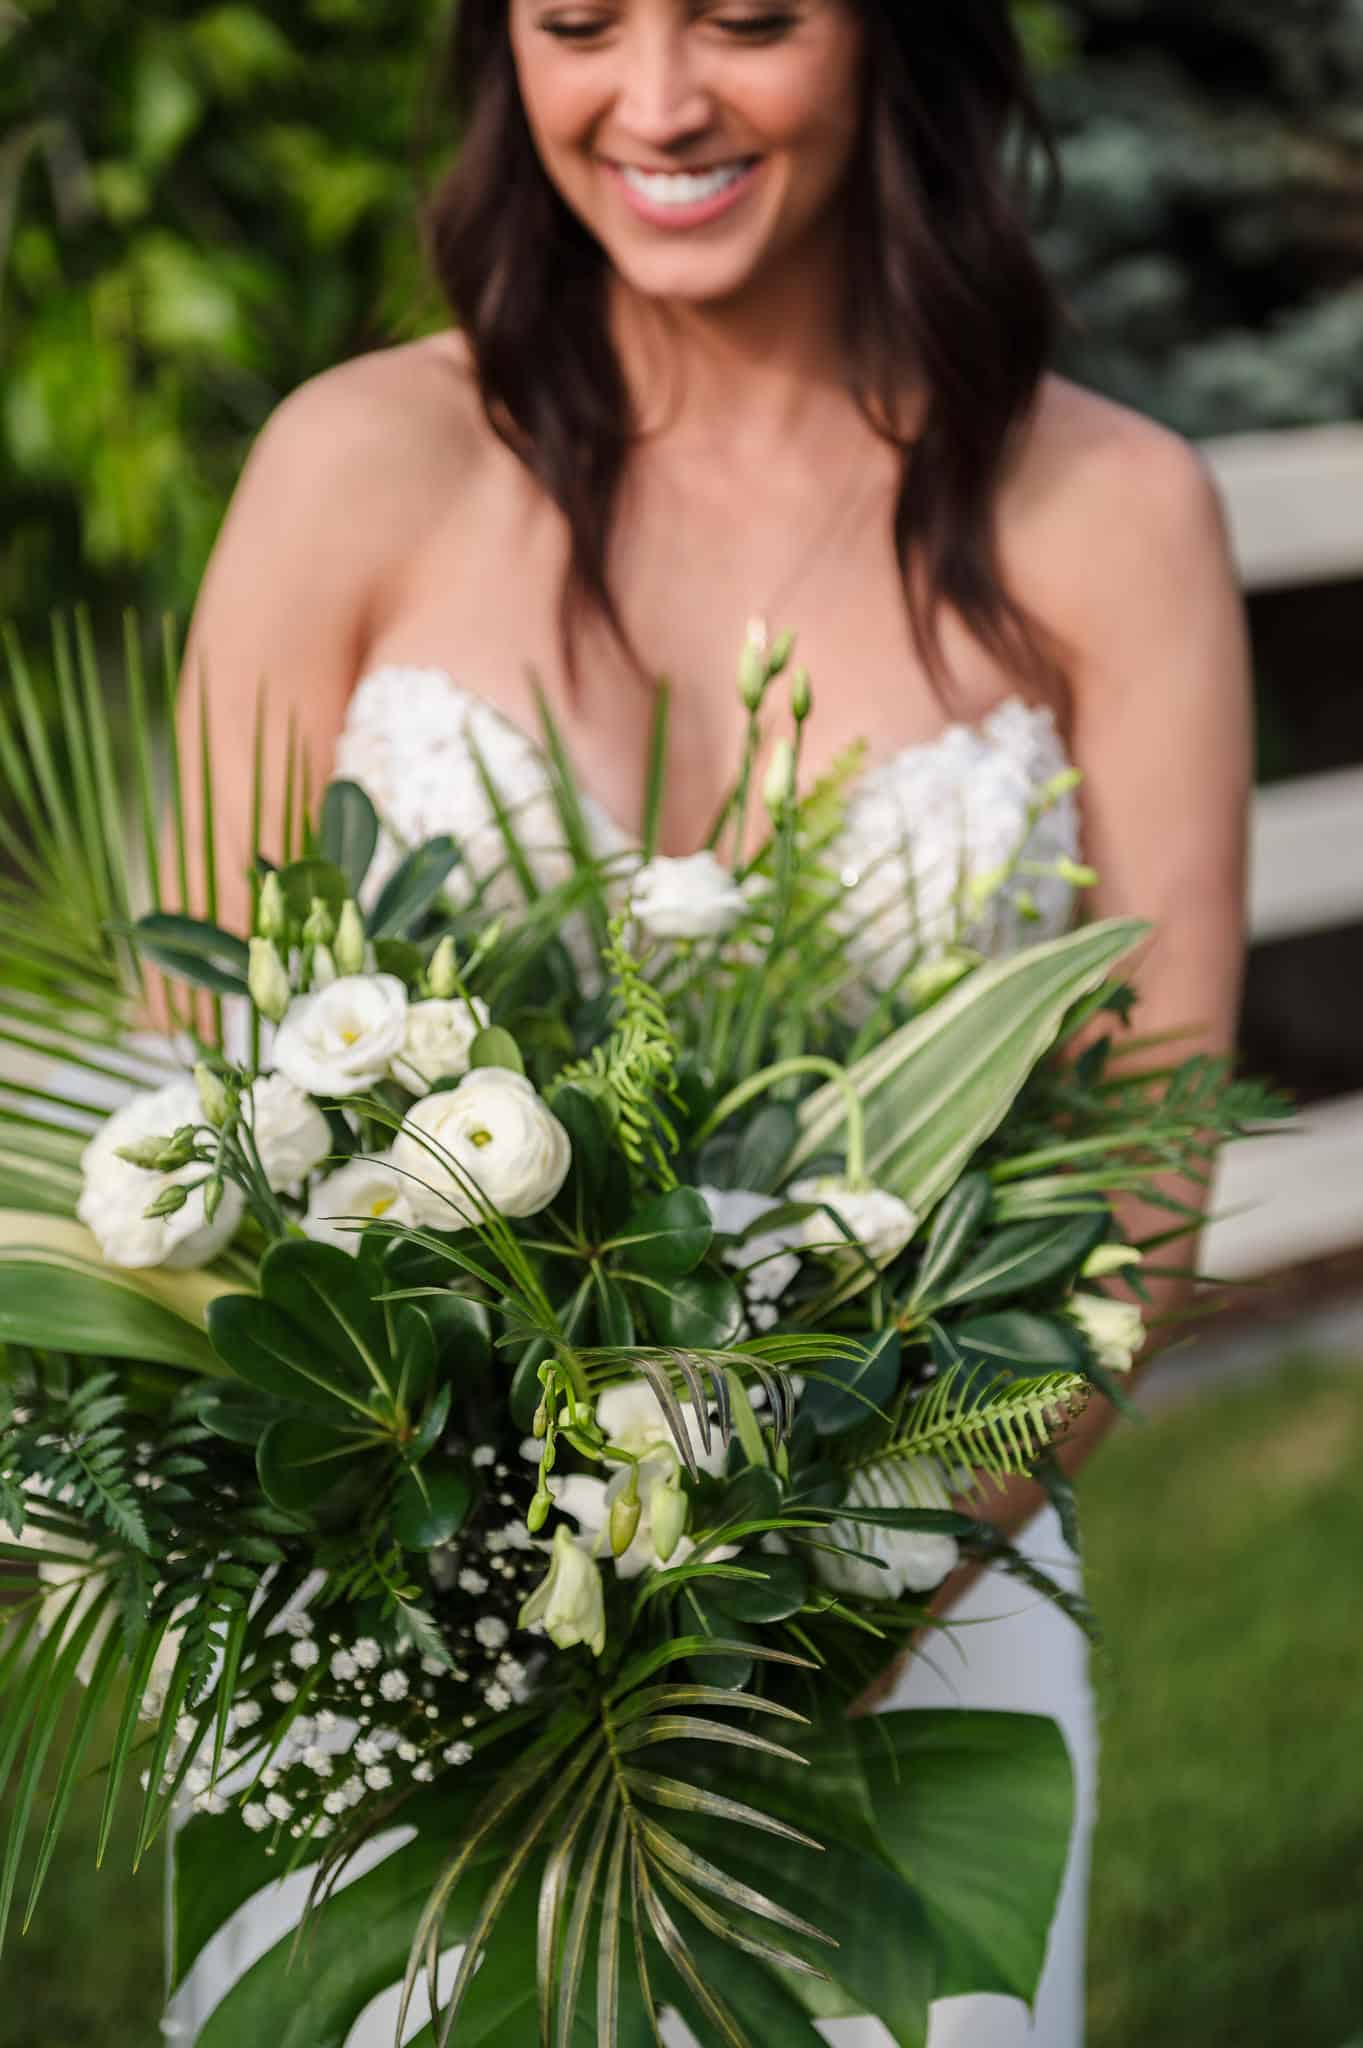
740,376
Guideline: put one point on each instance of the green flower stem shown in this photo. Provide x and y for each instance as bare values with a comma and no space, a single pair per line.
804,1063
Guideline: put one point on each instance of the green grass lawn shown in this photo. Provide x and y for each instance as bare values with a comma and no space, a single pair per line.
1224,1542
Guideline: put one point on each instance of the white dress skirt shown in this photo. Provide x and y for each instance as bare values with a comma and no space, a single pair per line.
916,825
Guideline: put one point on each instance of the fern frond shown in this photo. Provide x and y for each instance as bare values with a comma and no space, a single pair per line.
633,1072
987,1424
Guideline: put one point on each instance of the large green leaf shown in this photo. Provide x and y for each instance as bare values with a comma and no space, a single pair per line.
934,1090
349,831
700,1311
58,1294
195,951
848,1390
668,1236
410,891
1024,1256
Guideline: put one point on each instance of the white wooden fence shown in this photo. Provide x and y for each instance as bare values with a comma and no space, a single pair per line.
1295,502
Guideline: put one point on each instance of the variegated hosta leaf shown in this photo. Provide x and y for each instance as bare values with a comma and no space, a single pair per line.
935,1089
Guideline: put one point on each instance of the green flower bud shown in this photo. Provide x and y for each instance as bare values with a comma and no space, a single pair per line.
801,695
624,1522
667,1511
537,1514
752,672
539,1427
144,1152
349,942
442,976
321,967
1110,1258
779,654
212,1200
267,981
1026,906
214,1099
1060,785
778,786
1077,877
272,913
319,928
168,1201
549,1455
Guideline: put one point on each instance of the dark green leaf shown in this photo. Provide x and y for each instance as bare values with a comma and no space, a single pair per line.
614,1316
847,1391
409,893
698,1312
300,1463
194,951
430,1506
1026,1256
763,1148
402,958
349,832
328,1293
668,1236
781,1594
582,1119
304,879
1014,1342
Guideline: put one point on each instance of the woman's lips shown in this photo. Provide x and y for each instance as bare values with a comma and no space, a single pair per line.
684,199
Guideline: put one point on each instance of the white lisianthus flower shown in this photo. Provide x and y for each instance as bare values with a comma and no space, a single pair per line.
291,1134
500,1134
116,1194
630,1416
878,1220
342,1039
436,1041
694,897
912,1560
358,1192
569,1604
1114,1329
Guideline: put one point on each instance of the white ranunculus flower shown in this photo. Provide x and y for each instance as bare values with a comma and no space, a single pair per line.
436,1041
361,1191
342,1039
115,1194
1114,1329
912,1561
569,1603
878,1220
693,897
499,1133
291,1134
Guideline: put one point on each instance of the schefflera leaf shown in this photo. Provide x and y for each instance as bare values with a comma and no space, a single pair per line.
341,1368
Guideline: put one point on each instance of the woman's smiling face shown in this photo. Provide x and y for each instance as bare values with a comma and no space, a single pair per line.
698,140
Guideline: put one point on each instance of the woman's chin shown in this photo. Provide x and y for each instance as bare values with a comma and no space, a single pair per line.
686,277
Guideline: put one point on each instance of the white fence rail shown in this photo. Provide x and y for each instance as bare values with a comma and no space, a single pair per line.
1295,503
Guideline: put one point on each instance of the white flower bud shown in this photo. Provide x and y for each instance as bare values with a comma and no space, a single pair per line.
778,785
442,976
323,967
319,927
801,695
1110,1258
272,915
348,946
667,1508
267,981
214,1099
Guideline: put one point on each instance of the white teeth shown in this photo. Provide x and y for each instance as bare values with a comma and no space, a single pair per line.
681,188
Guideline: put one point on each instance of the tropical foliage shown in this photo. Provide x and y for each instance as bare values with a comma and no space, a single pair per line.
766,1281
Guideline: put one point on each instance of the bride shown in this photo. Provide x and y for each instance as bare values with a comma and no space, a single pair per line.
749,324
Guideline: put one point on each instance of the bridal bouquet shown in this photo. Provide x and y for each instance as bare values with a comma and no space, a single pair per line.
483,1402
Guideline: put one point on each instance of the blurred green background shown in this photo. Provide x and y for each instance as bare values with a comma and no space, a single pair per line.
202,205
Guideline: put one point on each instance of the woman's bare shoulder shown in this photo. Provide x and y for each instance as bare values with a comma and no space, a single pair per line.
1100,487
398,421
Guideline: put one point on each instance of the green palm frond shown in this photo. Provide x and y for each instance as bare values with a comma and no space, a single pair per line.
971,1420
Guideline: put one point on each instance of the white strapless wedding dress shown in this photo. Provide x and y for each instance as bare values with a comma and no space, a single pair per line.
916,824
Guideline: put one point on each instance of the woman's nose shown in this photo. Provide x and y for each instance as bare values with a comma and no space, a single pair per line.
663,96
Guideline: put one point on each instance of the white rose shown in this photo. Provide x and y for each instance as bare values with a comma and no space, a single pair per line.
436,1041
694,897
912,1561
499,1135
361,1190
569,1604
291,1134
115,1194
880,1222
342,1039
1114,1329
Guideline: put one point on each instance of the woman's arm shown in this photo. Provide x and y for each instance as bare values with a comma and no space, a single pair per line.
1162,731
287,603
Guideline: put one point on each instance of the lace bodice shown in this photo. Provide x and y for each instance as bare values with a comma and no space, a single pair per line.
919,828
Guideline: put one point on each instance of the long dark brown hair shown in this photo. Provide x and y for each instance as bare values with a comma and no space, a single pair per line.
944,286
